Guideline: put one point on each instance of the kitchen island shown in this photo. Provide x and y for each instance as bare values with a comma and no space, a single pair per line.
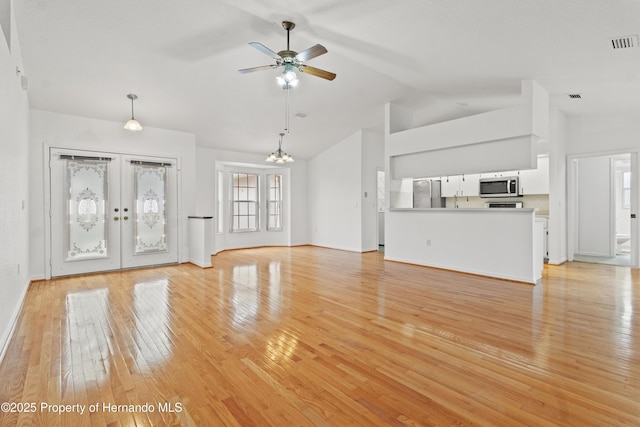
503,242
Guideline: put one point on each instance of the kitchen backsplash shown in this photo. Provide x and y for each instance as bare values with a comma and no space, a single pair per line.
535,201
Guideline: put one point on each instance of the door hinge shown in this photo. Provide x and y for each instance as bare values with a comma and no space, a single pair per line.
633,216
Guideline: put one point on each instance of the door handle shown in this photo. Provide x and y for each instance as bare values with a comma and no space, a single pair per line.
115,218
125,217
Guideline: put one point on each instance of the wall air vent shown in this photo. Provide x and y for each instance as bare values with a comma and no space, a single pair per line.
624,42
575,96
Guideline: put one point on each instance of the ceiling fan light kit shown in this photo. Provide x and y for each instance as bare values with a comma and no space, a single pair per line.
132,124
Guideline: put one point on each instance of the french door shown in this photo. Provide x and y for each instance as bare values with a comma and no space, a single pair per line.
111,211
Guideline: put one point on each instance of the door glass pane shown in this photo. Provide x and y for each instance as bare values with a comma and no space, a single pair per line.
150,222
87,208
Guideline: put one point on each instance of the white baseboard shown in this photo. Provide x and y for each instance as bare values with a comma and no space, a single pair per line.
557,261
13,322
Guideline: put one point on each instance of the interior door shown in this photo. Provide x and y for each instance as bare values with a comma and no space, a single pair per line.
85,192
111,211
149,219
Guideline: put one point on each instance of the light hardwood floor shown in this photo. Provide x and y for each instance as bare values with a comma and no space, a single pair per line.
310,336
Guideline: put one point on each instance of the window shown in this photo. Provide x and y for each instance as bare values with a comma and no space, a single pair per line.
244,202
220,228
274,202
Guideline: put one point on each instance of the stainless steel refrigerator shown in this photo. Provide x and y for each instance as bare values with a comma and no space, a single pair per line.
427,193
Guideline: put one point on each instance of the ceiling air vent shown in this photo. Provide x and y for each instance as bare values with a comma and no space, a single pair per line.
624,42
575,96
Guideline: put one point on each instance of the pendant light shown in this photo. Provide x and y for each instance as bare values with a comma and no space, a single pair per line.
279,156
132,124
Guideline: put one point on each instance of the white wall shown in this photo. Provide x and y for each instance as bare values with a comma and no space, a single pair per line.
340,215
209,161
14,182
557,243
59,130
335,195
493,141
602,134
489,242
373,160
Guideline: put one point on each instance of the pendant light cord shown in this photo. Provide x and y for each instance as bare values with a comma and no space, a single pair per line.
286,112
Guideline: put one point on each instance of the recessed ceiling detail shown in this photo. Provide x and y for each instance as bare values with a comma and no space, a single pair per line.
624,42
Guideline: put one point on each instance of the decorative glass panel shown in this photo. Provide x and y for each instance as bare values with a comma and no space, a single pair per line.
150,220
87,222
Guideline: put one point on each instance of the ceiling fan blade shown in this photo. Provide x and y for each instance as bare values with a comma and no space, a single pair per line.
311,53
262,48
317,72
260,68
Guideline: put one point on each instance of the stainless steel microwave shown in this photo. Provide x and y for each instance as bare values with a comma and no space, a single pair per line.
501,186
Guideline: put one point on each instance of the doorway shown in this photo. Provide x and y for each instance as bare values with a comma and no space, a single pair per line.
381,207
601,203
111,211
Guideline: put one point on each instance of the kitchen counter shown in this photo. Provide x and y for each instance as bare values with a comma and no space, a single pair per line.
497,242
514,210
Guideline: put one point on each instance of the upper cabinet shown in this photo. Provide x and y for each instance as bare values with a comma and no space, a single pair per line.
461,185
450,186
536,181
470,185
532,181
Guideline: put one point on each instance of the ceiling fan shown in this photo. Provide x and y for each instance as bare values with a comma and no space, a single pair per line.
290,59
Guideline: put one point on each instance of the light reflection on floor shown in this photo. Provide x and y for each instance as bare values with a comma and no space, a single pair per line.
152,318
86,347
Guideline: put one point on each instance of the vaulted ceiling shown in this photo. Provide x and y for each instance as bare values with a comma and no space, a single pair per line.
442,57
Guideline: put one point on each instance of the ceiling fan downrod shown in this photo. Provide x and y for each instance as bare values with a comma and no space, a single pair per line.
288,25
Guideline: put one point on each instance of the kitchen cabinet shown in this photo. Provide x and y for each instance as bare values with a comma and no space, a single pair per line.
451,186
461,185
536,181
469,185
498,174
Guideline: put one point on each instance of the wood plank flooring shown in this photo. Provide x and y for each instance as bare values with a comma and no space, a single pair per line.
310,336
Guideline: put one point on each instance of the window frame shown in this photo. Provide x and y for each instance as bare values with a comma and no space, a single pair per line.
235,200
277,202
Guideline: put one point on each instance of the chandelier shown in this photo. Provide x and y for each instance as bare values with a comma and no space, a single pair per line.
279,156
